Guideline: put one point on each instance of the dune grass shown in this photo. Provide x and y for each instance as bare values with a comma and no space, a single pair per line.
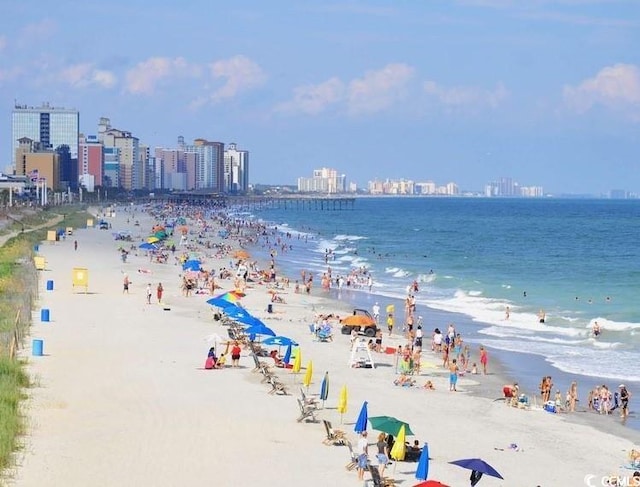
18,291
13,382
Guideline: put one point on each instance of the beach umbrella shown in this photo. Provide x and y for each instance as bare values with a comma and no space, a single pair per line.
147,246
308,375
399,448
342,401
422,472
391,308
241,254
287,355
234,310
153,239
478,468
260,330
221,303
361,422
389,425
279,341
324,388
430,483
230,296
297,361
192,265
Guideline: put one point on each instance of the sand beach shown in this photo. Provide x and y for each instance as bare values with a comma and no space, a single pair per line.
122,398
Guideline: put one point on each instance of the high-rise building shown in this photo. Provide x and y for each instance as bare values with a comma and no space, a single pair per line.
324,180
236,169
130,170
90,162
210,164
51,126
38,164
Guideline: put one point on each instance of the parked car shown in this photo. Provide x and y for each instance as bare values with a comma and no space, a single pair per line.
103,225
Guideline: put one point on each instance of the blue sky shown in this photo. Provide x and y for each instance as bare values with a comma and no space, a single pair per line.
546,92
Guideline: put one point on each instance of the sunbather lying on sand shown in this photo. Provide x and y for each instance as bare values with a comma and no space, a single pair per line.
429,386
404,381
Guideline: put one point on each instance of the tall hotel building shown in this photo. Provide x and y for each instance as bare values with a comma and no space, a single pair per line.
50,126
236,170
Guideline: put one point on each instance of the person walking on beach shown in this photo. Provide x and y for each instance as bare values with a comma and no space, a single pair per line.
362,450
484,359
149,293
573,396
125,284
625,395
375,311
75,245
390,322
159,291
453,375
235,354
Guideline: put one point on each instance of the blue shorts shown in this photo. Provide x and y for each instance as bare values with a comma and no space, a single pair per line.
453,378
363,461
382,458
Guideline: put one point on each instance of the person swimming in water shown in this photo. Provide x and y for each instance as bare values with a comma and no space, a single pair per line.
595,329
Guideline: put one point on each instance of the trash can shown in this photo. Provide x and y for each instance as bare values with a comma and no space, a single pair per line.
36,248
50,285
44,314
269,308
37,347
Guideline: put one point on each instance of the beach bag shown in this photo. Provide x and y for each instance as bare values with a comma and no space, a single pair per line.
209,363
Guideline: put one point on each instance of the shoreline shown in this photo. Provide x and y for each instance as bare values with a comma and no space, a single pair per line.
148,406
510,366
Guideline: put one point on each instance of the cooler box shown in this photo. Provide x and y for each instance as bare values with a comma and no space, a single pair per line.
390,350
550,407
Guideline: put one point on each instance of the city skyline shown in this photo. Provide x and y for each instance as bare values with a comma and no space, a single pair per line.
465,91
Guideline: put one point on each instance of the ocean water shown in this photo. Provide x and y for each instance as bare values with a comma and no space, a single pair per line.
578,260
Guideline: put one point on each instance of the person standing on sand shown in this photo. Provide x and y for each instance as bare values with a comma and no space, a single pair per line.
149,293
390,322
363,455
453,375
507,313
125,284
75,245
159,291
573,396
484,360
235,354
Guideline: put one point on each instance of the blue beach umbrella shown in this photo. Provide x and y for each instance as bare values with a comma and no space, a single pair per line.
234,311
221,303
250,321
191,265
147,246
361,422
287,355
260,330
324,388
423,464
279,341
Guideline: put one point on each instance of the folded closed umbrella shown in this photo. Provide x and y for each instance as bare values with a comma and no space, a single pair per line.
422,472
308,374
297,361
342,401
287,355
361,422
399,448
324,388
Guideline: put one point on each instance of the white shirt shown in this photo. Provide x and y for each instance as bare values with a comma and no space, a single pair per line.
362,446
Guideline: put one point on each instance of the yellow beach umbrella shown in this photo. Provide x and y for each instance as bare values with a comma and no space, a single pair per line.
308,374
398,450
391,308
297,362
342,401
153,239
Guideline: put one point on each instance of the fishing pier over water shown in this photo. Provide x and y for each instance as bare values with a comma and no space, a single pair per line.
293,202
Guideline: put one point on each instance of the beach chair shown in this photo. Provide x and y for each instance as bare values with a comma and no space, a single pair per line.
311,401
277,387
307,413
260,366
377,480
334,437
353,462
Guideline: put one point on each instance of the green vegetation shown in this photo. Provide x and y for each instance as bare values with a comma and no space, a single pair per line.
18,291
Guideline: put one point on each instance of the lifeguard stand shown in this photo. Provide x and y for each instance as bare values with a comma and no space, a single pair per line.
80,278
361,355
